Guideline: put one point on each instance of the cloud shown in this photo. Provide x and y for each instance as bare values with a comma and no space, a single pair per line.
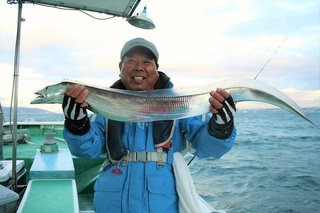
198,44
304,98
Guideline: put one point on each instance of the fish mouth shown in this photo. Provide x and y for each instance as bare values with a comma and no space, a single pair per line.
38,99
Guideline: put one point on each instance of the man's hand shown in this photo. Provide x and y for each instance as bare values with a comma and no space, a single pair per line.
223,110
74,108
223,107
80,93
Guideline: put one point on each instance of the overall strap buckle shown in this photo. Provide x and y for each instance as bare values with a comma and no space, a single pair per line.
159,156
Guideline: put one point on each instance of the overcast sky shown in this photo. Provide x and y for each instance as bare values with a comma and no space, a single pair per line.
199,42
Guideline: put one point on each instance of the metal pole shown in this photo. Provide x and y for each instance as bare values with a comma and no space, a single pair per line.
15,98
1,132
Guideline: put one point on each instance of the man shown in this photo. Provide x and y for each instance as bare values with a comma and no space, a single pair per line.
138,175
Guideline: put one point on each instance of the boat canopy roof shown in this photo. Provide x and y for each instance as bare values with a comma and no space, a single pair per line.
122,8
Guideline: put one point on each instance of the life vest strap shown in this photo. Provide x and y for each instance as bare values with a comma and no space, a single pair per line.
160,157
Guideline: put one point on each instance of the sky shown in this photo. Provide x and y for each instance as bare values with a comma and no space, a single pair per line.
199,43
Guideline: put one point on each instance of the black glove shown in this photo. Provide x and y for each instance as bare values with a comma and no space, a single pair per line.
221,124
76,117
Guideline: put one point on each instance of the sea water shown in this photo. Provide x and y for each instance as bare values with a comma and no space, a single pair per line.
274,165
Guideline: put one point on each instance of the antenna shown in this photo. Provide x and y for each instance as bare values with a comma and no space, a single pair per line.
274,53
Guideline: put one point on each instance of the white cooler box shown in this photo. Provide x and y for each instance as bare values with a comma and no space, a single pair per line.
6,171
8,200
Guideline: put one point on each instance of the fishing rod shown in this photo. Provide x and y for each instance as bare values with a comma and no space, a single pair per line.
272,55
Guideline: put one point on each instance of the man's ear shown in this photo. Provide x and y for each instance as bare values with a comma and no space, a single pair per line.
120,65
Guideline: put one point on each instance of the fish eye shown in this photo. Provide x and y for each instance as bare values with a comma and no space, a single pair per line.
40,95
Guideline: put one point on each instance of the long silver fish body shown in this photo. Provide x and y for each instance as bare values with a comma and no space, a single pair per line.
167,104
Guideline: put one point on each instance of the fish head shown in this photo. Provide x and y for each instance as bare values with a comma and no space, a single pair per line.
50,94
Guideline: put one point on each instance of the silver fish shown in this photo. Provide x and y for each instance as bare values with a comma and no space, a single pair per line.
167,104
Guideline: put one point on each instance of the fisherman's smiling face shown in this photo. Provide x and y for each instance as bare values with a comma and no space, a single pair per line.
139,70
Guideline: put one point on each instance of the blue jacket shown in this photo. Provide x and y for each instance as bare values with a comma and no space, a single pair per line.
143,187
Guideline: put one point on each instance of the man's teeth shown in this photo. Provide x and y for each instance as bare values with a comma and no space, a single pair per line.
138,78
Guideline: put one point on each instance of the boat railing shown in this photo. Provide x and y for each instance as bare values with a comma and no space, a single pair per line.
36,123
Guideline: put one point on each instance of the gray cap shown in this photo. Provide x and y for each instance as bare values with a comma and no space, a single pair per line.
139,42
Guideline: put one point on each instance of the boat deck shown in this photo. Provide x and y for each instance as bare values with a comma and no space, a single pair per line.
86,171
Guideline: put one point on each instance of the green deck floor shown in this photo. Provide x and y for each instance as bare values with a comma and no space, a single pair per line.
50,196
86,171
